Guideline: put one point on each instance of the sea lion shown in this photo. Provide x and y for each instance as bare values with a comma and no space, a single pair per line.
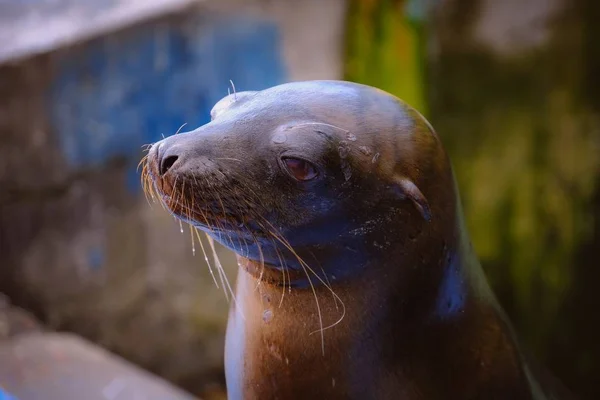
357,279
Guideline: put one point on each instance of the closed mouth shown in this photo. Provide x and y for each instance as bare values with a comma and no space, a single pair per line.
179,195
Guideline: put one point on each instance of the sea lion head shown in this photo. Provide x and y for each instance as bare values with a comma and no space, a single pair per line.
322,170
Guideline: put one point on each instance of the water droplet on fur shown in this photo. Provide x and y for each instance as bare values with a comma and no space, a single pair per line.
180,227
350,136
267,316
343,150
279,138
347,171
193,247
365,150
375,158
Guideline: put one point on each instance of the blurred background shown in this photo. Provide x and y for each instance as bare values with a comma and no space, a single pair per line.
512,87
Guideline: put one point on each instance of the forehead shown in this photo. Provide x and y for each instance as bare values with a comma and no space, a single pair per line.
292,97
324,95
345,105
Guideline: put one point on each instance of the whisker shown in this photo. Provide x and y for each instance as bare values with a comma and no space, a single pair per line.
193,241
178,130
326,278
206,257
142,162
306,267
237,307
227,158
234,92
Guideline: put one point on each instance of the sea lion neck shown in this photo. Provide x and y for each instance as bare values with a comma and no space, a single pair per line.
395,330
426,266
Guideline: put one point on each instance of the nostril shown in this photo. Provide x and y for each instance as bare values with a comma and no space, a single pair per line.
167,163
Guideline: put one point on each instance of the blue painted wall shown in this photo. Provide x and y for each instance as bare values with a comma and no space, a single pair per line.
118,93
6,396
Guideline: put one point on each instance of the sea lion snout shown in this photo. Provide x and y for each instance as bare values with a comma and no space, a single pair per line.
163,155
180,154
165,158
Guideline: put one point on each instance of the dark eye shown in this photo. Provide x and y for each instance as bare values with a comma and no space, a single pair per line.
300,169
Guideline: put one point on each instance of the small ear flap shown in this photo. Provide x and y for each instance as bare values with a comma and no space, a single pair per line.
411,191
